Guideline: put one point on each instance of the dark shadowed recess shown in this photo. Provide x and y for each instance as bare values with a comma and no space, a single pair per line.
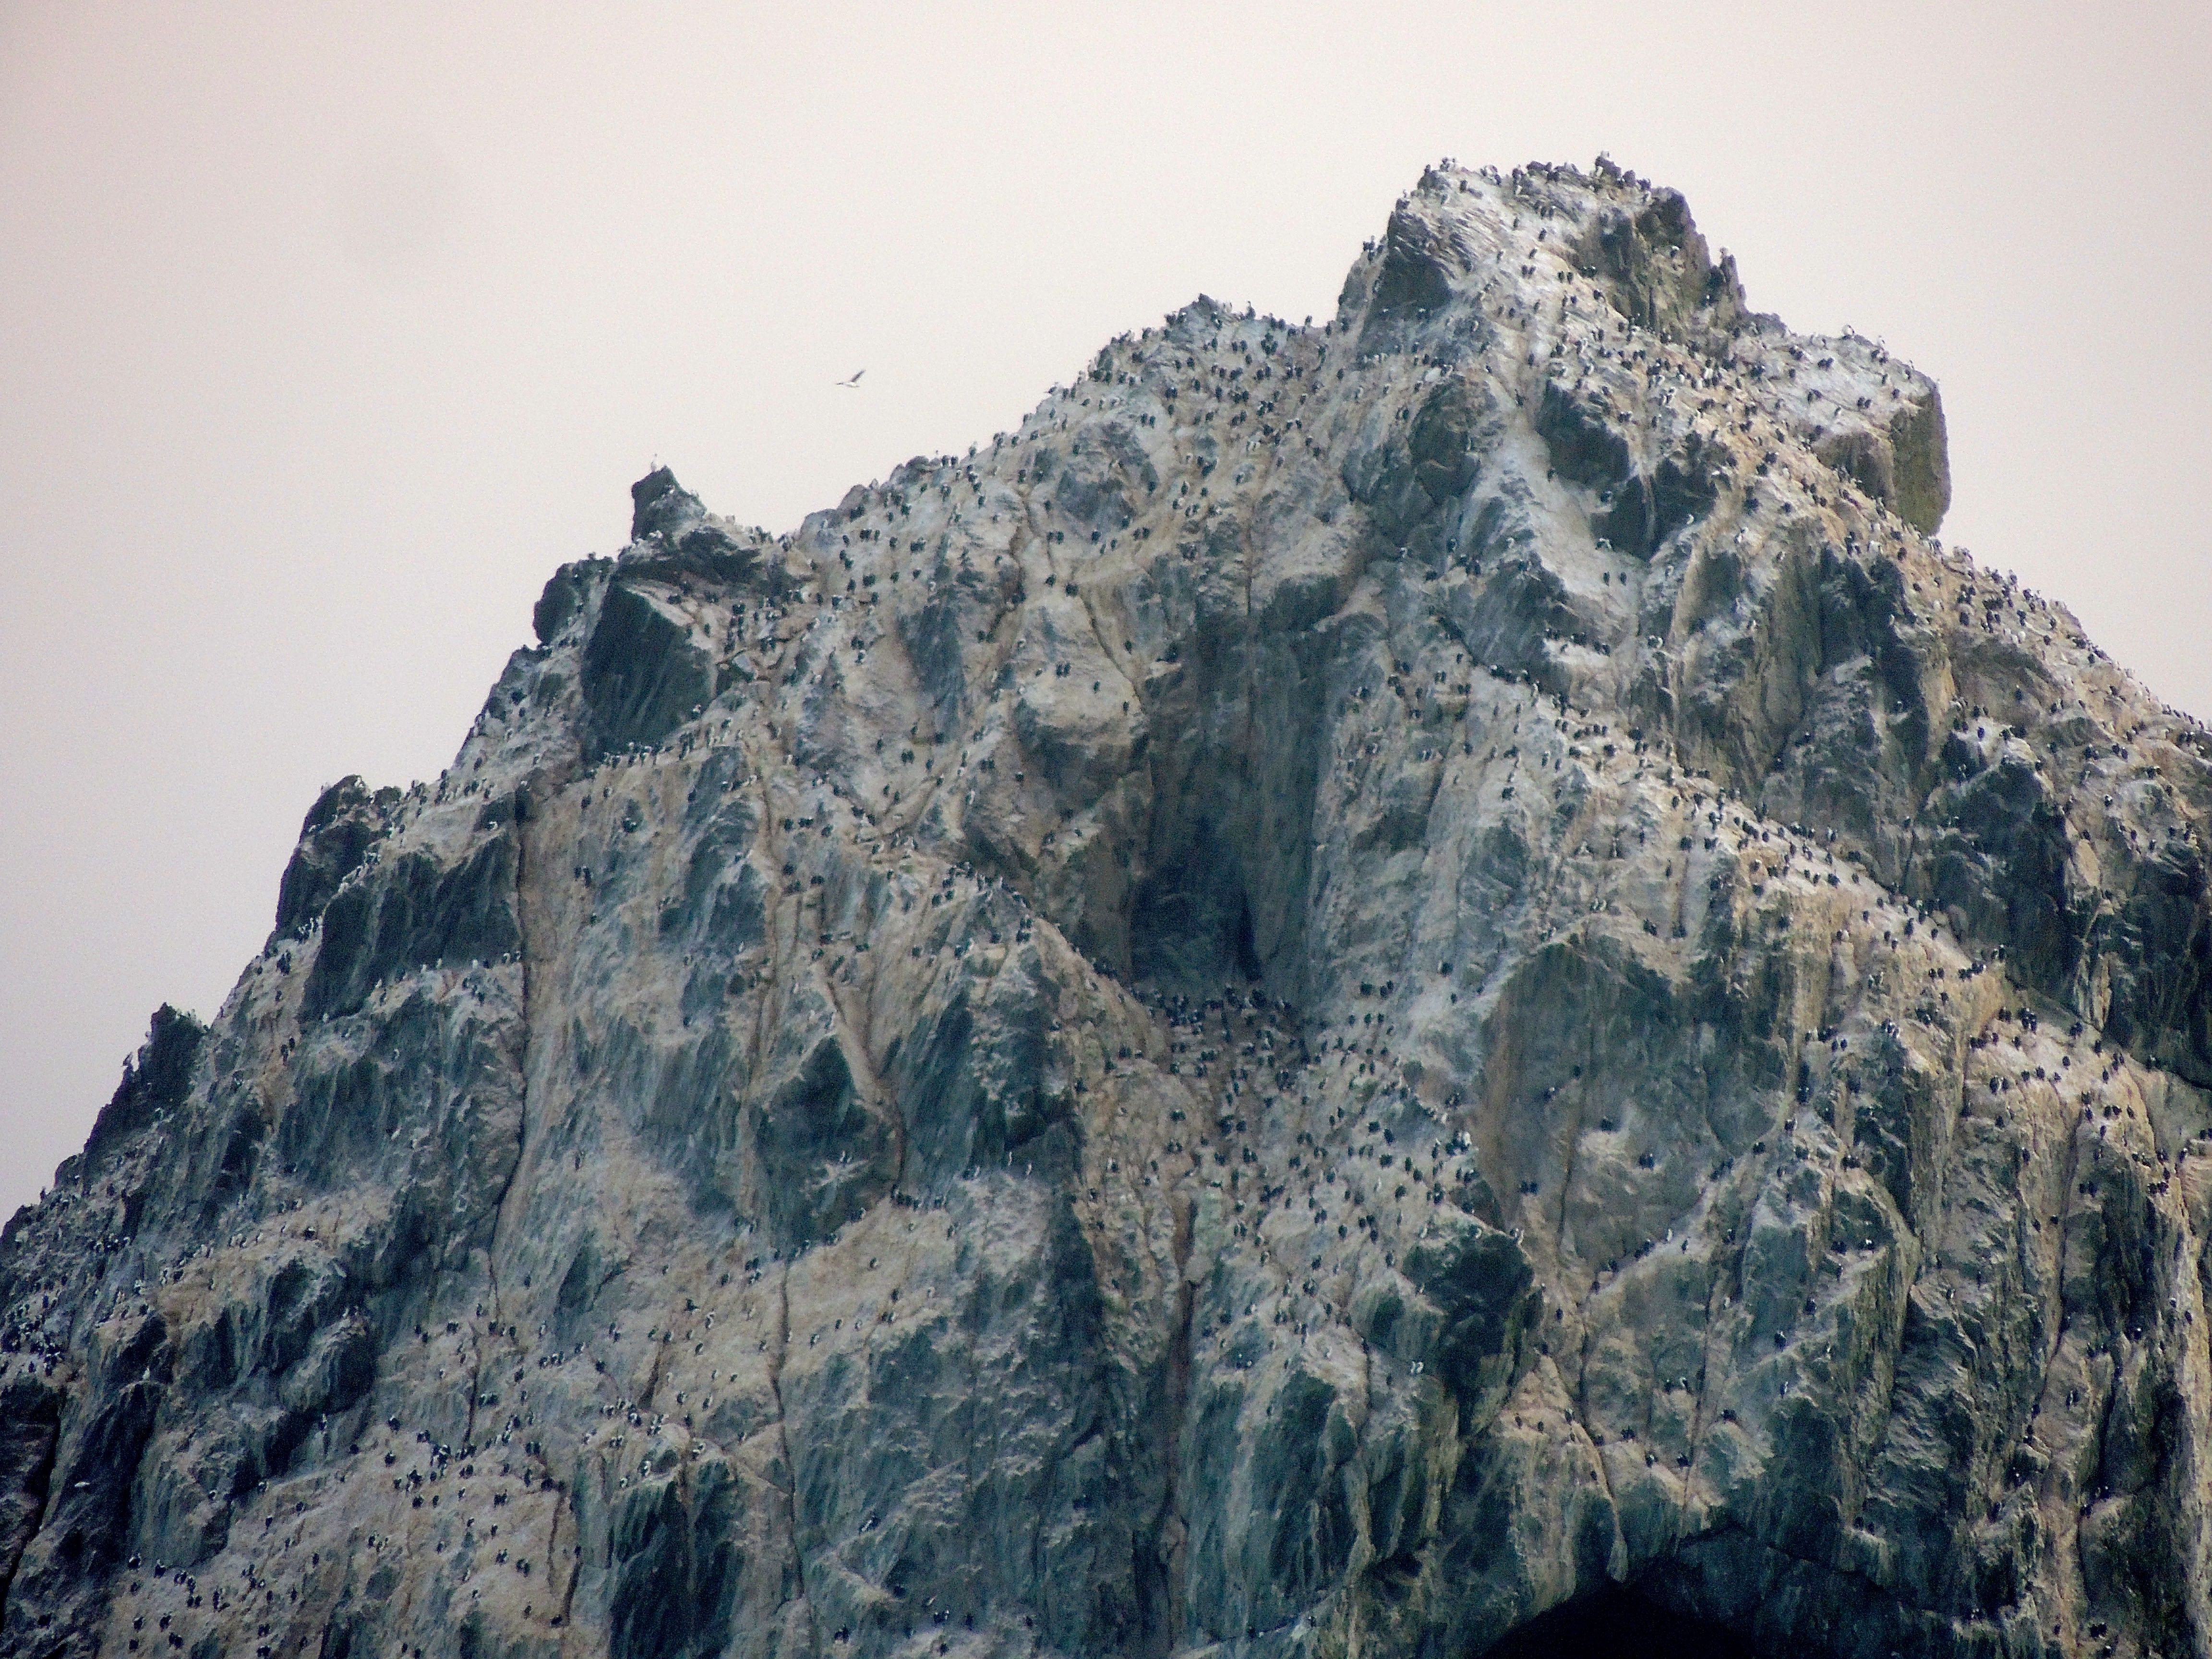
1190,928
1615,1623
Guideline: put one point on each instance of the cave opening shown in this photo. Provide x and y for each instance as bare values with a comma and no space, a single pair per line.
1191,926
1616,1623
1248,948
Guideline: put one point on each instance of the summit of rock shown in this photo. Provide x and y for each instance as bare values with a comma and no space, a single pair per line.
1388,987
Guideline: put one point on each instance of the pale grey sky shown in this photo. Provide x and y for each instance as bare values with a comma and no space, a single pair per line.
327,332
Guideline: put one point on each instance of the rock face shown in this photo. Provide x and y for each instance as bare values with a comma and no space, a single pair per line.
1377,982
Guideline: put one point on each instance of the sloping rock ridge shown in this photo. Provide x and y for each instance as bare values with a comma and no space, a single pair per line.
1379,983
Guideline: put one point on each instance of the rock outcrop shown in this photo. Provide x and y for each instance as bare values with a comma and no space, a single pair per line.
1382,988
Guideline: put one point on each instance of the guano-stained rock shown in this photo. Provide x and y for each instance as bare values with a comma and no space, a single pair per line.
1377,989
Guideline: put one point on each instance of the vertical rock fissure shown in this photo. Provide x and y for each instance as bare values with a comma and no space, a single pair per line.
1170,1532
2077,1512
523,932
783,1440
40,1480
1566,1191
523,1057
576,1568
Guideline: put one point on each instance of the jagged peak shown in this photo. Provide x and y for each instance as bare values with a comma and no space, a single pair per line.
661,507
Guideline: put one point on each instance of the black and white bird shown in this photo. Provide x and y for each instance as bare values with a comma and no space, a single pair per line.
854,382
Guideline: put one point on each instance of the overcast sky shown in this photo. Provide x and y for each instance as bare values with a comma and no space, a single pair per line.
326,333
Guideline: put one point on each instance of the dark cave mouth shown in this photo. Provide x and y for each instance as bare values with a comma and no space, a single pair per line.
1191,930
1246,948
1616,1623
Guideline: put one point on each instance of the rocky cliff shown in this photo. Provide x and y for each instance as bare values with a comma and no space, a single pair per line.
1382,988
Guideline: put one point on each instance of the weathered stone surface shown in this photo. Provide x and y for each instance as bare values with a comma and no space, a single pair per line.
1379,988
339,830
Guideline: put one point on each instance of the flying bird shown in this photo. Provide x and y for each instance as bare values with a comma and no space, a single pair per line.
854,382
